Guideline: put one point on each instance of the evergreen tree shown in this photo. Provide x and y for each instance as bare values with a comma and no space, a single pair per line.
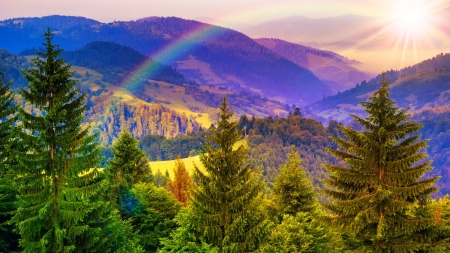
298,233
8,239
57,180
181,183
160,180
229,193
7,109
155,219
295,228
128,167
382,180
186,237
293,192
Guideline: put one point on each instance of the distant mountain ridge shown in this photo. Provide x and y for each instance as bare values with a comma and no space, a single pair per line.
237,61
162,104
425,85
116,62
302,29
332,68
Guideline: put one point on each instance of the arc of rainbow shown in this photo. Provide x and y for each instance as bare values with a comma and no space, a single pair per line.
172,51
169,53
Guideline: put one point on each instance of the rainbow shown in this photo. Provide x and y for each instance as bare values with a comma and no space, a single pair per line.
169,53
184,43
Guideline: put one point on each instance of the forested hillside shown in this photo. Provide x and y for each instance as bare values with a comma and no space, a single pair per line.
270,141
422,86
338,72
239,62
10,65
436,128
125,208
100,73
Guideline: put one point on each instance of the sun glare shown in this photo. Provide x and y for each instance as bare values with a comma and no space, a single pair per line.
411,16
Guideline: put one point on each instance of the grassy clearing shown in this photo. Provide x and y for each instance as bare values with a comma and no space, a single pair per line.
188,162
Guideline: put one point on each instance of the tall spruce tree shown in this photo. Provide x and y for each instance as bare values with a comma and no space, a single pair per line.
229,194
295,228
56,175
8,239
128,166
374,193
292,190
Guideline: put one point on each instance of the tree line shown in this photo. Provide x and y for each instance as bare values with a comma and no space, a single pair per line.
55,199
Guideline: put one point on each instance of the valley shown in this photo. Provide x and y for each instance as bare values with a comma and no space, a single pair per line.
241,130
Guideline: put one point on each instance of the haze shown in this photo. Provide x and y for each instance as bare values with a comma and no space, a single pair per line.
248,11
378,49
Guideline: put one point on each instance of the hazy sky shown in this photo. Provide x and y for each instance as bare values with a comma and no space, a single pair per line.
244,11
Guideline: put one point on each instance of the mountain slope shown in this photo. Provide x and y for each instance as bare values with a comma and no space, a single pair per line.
379,43
422,86
115,62
302,29
237,61
333,69
153,104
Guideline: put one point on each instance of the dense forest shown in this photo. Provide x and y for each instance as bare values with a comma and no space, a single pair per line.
54,198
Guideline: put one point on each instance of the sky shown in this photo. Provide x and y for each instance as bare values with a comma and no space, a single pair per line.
242,11
410,33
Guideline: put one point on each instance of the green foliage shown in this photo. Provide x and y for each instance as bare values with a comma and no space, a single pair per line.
128,167
160,180
229,193
58,207
155,221
299,233
270,141
381,182
187,237
9,241
293,192
158,147
119,235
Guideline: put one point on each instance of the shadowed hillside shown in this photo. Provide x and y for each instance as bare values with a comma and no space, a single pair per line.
239,62
333,69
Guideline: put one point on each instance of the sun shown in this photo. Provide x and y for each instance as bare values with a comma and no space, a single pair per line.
411,16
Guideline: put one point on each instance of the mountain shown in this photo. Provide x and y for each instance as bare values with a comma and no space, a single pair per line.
10,66
217,22
161,103
116,62
331,68
301,29
379,43
420,87
425,89
201,52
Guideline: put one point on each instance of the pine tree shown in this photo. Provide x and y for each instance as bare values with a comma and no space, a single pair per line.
128,167
228,197
160,180
8,239
7,109
56,175
181,183
382,180
293,192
